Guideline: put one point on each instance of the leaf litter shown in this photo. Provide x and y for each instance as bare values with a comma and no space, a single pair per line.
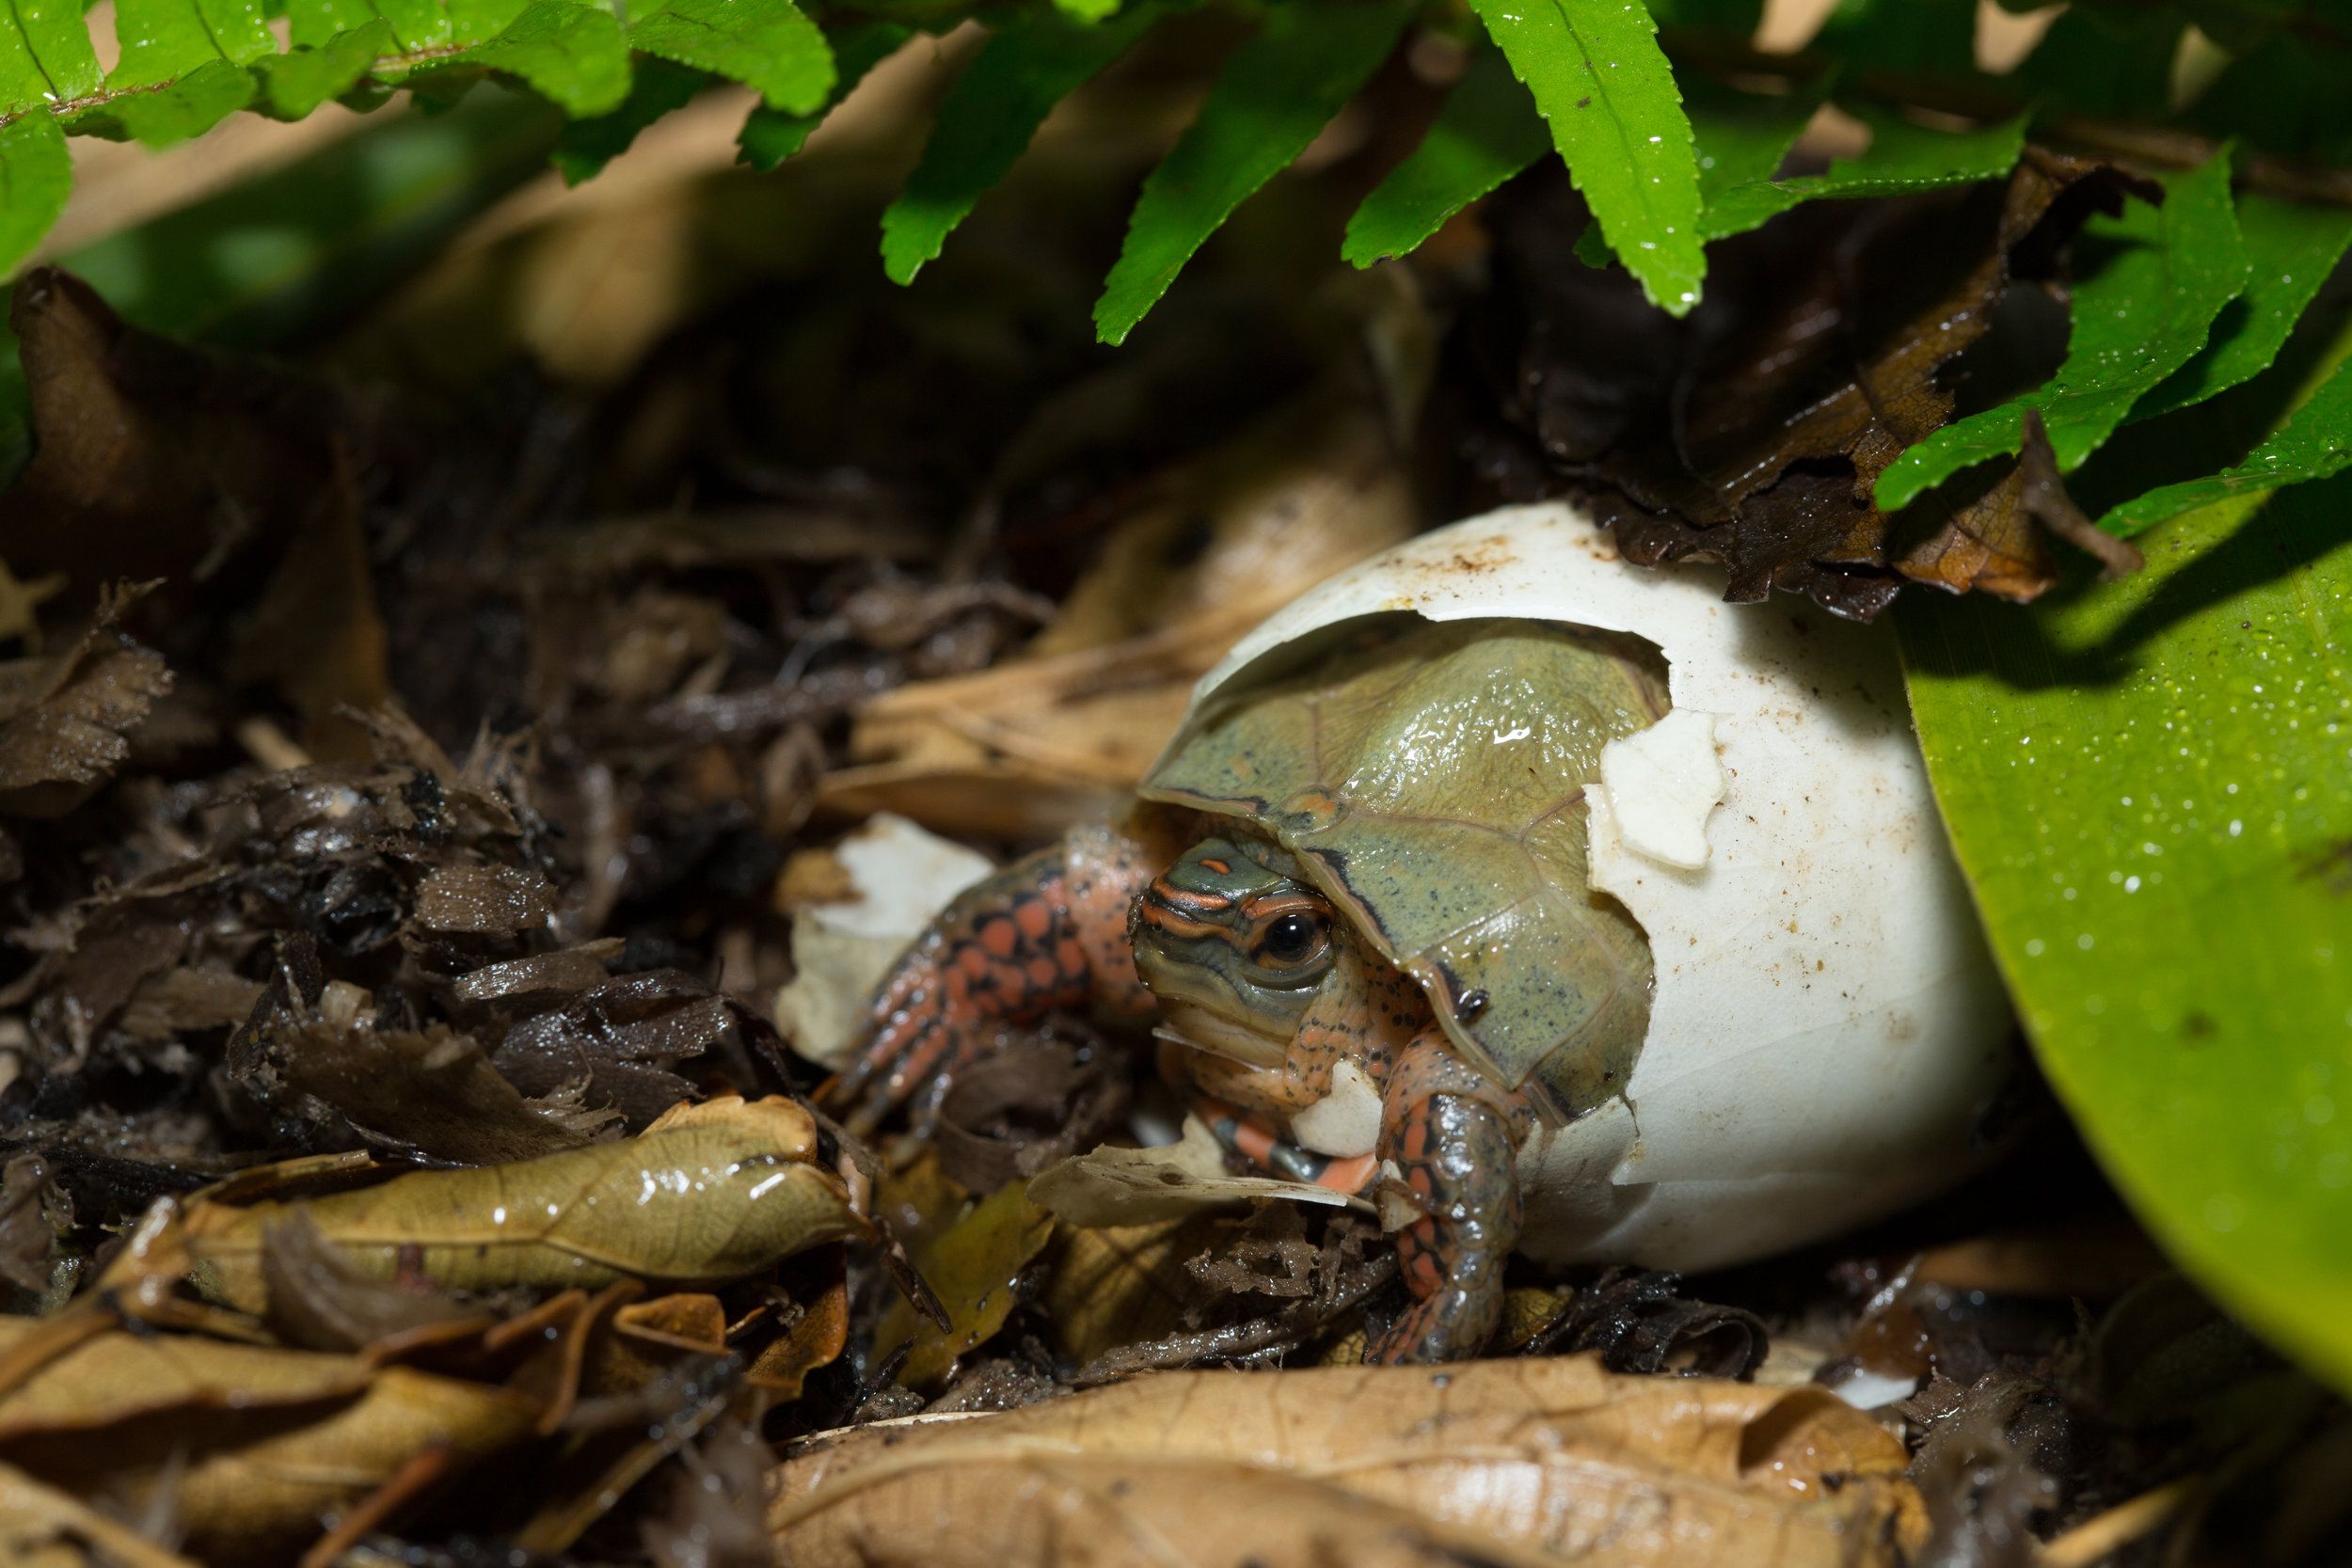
1754,432
416,839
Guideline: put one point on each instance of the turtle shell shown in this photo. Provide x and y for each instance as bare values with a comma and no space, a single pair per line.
1430,777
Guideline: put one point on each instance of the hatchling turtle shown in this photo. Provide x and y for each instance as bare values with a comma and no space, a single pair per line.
1359,892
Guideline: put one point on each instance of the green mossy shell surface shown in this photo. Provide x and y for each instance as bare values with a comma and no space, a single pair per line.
1430,777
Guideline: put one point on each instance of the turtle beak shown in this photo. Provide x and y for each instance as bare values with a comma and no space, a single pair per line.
1200,1010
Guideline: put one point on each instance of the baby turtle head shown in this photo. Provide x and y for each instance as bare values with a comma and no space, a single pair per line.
1233,949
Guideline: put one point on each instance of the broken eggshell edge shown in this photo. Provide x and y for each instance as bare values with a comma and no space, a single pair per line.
1827,1031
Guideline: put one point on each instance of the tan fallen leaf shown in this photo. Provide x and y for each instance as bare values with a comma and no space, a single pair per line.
1499,1461
252,1446
709,1192
254,1486
42,1527
116,1375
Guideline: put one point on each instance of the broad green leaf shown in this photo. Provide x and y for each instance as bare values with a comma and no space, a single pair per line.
1605,88
1742,138
295,83
767,44
2137,320
573,54
187,108
22,84
1278,88
1488,132
2143,784
420,25
987,119
1087,11
2107,60
1902,158
587,145
240,28
472,20
770,135
36,175
2291,247
162,41
2315,443
317,24
58,37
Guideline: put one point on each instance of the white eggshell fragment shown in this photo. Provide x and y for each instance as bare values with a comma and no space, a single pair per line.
1662,783
901,875
1346,1122
1827,1029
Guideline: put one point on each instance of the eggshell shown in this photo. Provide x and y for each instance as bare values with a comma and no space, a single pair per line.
901,875
1828,1031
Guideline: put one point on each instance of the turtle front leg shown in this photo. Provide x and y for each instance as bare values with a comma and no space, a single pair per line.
1046,933
1455,1138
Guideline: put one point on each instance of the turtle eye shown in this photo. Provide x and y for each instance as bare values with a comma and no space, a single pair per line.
1291,939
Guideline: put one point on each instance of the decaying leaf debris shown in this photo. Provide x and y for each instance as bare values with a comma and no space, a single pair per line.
410,820
1752,430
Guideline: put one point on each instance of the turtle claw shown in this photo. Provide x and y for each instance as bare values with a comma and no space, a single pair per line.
1457,1159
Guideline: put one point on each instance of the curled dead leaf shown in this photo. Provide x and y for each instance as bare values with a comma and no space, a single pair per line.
711,1192
66,719
1507,1461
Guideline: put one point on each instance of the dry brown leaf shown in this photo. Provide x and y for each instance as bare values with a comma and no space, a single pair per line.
313,1049
1499,1461
65,720
237,480
710,1193
1034,744
483,900
252,1487
42,1527
116,1375
816,1338
33,1211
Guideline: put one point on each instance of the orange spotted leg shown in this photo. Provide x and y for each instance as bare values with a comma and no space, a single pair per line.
1455,1138
1047,933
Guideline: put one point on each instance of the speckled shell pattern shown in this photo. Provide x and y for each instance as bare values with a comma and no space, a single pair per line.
1431,779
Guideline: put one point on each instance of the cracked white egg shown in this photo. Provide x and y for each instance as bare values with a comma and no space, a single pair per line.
1827,1033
